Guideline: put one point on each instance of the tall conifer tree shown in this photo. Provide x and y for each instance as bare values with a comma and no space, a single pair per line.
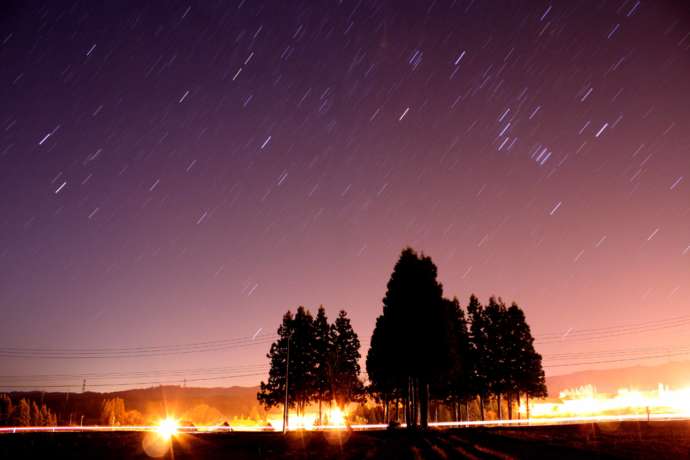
347,386
323,349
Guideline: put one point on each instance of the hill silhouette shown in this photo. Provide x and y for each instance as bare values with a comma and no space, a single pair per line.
646,377
232,402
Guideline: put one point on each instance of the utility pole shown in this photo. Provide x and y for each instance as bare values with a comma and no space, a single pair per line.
287,373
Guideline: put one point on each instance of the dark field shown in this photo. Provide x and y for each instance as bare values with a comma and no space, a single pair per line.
605,440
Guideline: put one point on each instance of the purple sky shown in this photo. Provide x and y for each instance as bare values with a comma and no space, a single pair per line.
184,173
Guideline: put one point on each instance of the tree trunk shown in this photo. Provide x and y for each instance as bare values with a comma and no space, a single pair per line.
481,407
457,415
412,421
397,404
527,402
417,396
408,406
424,405
320,420
385,409
500,412
518,406
415,402
509,396
410,395
467,410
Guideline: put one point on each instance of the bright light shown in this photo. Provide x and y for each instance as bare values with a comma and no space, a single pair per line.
167,428
302,422
336,417
333,418
296,422
586,401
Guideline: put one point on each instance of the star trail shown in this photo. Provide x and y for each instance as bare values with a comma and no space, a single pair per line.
175,176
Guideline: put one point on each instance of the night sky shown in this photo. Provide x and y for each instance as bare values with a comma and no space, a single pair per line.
178,173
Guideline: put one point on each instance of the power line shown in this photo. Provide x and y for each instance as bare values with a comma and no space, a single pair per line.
613,327
142,348
615,352
609,361
137,374
149,383
54,354
146,348
560,359
606,333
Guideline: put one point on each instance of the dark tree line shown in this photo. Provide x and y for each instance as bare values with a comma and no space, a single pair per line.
25,413
502,355
319,360
425,348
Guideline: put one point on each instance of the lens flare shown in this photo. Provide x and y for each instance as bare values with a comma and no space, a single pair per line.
154,445
167,428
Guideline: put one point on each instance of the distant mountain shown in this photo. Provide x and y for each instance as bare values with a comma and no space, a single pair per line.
231,402
234,401
674,374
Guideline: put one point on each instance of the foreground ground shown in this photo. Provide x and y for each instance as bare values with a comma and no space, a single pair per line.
604,440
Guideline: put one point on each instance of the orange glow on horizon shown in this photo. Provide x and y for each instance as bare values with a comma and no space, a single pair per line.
586,401
333,418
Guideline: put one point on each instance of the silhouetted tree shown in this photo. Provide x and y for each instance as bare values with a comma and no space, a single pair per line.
534,385
345,356
498,329
272,393
323,350
506,363
424,349
387,380
413,315
455,385
478,338
524,362
514,353
299,332
303,359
